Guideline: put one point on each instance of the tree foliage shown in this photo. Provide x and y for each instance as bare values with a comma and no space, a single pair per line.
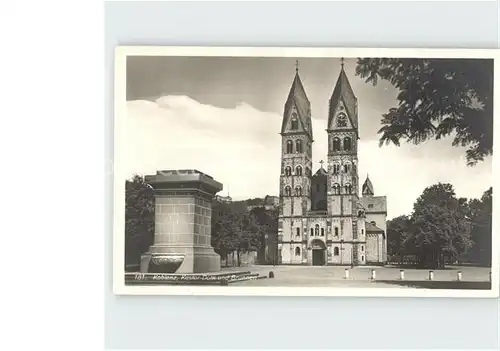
440,227
398,232
443,227
234,229
139,219
480,213
437,98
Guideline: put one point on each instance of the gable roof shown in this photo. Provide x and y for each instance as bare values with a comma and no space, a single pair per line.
372,228
297,97
343,92
321,172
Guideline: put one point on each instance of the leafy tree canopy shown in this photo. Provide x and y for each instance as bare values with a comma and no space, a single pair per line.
398,233
437,98
439,221
139,218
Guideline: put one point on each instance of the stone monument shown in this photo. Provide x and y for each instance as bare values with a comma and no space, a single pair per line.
183,213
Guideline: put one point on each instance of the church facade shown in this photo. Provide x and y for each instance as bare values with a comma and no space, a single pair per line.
322,218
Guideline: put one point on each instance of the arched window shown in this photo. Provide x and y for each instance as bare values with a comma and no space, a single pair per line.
289,146
297,231
288,171
362,248
341,120
322,231
297,251
298,191
362,231
347,144
335,251
336,144
347,167
295,123
348,188
312,231
316,229
336,168
336,231
362,258
336,188
298,170
298,146
288,191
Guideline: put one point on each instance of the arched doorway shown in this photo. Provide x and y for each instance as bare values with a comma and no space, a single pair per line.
318,252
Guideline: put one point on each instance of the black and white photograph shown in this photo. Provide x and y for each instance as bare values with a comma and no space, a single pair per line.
304,171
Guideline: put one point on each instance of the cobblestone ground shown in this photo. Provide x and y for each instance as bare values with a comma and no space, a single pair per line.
386,277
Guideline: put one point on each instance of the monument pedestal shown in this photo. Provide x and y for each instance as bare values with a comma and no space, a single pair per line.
183,222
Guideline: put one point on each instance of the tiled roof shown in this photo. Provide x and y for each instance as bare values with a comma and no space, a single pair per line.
367,187
344,92
372,228
320,172
297,97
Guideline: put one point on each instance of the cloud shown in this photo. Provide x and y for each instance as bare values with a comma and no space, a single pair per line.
240,147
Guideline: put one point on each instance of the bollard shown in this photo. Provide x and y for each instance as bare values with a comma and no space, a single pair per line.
402,274
373,275
271,274
346,273
459,276
431,275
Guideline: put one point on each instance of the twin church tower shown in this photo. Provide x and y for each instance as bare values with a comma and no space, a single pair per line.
322,219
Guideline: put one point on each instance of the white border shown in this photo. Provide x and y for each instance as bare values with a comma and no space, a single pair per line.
121,54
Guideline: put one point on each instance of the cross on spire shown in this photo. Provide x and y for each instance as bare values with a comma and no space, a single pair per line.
321,163
342,62
297,66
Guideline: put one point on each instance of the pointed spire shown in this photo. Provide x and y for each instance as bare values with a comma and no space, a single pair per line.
297,98
343,93
367,187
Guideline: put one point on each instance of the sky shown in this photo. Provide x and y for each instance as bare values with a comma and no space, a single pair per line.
222,116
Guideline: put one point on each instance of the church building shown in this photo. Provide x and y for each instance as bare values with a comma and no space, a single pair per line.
322,218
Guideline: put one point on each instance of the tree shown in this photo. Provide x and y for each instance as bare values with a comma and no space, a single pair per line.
480,213
267,220
223,238
235,229
437,98
398,233
440,227
248,233
139,219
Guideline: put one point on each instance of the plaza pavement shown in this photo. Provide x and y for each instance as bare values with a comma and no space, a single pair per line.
386,277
